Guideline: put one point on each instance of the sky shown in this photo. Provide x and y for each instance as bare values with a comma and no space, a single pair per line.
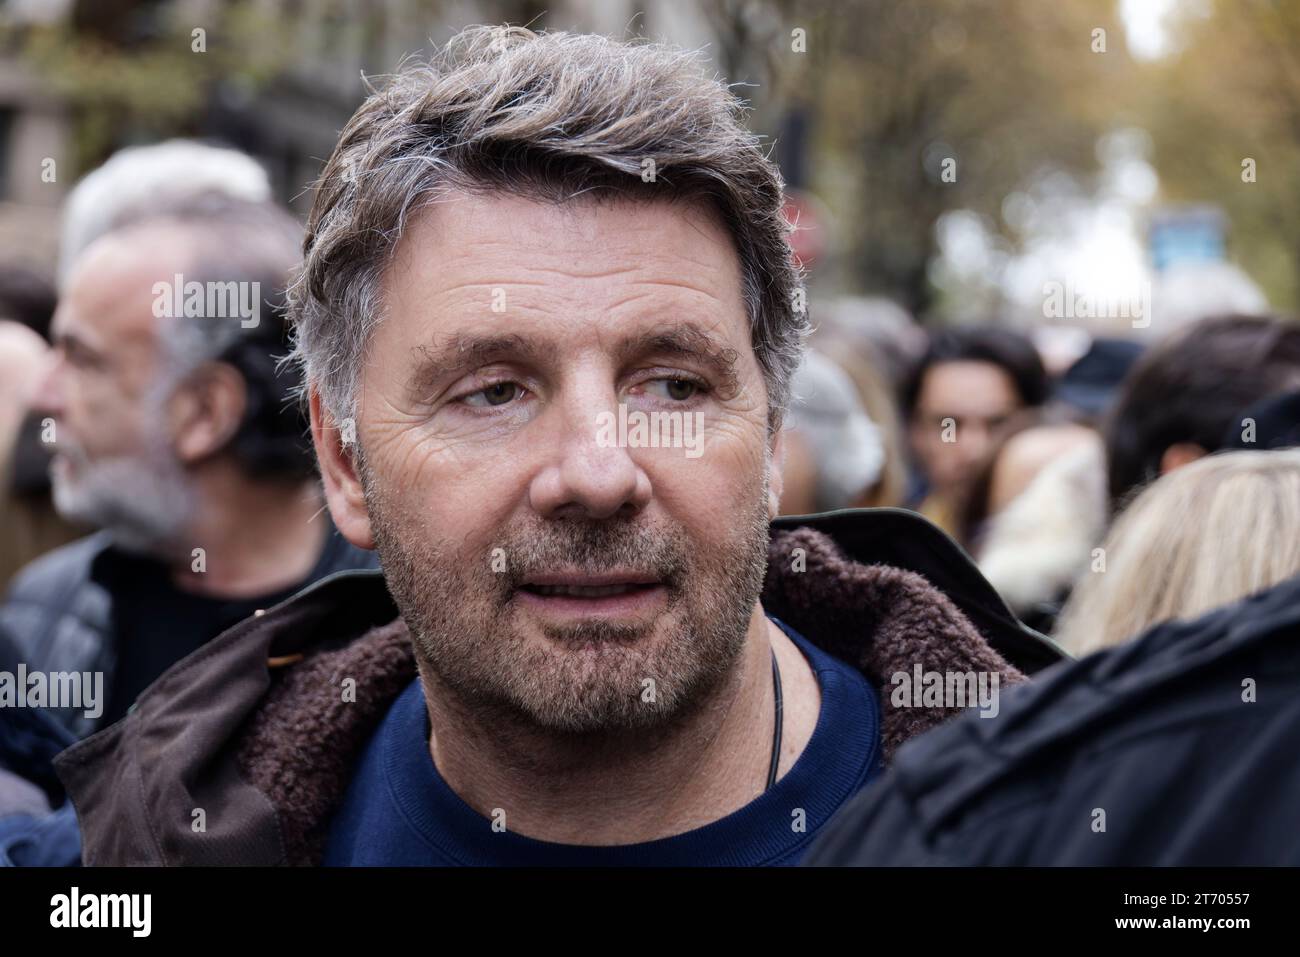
1144,26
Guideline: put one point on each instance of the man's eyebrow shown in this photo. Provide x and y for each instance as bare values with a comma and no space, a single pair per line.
462,351
687,341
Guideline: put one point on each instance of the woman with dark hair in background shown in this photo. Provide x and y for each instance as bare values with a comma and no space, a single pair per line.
966,387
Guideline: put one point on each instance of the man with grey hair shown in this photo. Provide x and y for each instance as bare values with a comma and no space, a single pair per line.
548,318
138,179
175,433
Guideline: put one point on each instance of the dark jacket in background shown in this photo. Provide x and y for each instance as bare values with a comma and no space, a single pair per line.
29,737
58,612
1155,734
253,727
32,832
1276,425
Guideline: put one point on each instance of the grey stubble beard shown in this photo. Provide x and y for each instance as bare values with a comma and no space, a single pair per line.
587,683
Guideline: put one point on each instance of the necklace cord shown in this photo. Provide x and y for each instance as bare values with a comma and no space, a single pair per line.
776,732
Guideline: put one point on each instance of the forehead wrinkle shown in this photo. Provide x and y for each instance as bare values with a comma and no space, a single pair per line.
642,266
654,290
476,284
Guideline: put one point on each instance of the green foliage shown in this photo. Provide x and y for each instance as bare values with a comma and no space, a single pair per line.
144,90
1231,91
1006,89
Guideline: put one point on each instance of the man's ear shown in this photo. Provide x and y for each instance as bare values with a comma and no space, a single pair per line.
1179,454
775,473
335,447
205,413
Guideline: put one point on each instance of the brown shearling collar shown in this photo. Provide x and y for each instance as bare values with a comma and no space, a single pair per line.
300,746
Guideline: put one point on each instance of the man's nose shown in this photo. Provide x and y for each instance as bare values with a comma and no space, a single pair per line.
588,473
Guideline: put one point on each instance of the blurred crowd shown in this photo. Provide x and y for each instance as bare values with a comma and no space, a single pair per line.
1134,482
1030,468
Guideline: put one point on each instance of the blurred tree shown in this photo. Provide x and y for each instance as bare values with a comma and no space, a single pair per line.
133,70
923,108
894,112
1228,92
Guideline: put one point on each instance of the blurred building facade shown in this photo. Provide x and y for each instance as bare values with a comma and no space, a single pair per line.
276,78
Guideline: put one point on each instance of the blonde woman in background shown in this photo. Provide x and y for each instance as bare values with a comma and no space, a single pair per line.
1202,536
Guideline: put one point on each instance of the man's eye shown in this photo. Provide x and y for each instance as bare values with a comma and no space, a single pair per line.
679,390
499,393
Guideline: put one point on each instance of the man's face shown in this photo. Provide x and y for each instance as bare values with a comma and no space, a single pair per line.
979,397
113,466
547,568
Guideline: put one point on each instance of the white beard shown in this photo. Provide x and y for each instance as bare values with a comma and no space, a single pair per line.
144,502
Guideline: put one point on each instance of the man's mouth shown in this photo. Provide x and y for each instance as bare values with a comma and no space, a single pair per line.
583,591
622,595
